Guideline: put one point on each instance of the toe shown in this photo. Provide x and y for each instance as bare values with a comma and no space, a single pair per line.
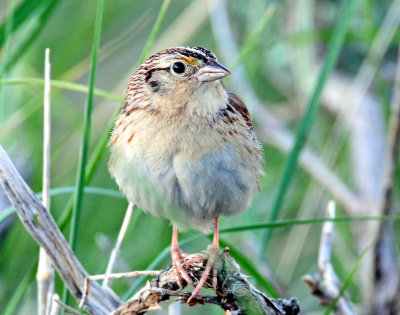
210,267
177,256
185,275
200,285
176,262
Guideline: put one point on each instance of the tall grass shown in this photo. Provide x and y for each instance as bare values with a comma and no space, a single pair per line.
42,14
84,149
306,122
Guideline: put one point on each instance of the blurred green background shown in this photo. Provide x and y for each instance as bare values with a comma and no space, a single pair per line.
282,55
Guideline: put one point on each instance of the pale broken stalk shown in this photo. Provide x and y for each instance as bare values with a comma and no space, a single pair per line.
123,275
118,244
45,273
109,276
326,285
55,306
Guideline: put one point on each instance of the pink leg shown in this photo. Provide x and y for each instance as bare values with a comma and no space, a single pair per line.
211,264
176,257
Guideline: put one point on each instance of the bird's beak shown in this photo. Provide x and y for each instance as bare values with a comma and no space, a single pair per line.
212,71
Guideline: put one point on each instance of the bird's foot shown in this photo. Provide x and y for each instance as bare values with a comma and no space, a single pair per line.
177,256
212,257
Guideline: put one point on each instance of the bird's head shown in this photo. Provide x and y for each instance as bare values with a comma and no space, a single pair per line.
180,77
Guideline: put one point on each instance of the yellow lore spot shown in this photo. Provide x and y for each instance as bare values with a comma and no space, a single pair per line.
190,61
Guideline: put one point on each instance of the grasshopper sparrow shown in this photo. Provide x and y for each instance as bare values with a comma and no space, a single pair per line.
183,147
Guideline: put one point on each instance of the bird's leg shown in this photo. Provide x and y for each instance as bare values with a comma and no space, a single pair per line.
213,251
176,256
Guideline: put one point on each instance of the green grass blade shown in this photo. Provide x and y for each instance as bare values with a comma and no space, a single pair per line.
267,225
83,156
19,293
155,30
91,167
28,109
62,85
6,32
29,36
240,228
87,190
306,122
252,39
17,17
348,280
76,214
286,223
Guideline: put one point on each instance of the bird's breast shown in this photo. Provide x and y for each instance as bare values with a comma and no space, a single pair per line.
191,164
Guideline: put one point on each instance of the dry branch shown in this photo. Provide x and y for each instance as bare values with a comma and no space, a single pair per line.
40,224
234,292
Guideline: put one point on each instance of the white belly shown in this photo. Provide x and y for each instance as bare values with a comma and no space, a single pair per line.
189,192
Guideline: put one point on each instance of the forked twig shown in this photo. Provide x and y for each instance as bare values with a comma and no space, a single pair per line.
326,285
123,275
234,292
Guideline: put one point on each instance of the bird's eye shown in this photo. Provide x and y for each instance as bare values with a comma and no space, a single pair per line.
178,67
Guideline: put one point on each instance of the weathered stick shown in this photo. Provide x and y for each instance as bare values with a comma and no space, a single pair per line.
326,285
234,292
123,275
40,224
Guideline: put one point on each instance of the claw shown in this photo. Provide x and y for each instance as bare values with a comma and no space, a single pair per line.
213,252
177,256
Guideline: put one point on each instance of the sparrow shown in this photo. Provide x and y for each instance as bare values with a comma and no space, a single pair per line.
183,148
